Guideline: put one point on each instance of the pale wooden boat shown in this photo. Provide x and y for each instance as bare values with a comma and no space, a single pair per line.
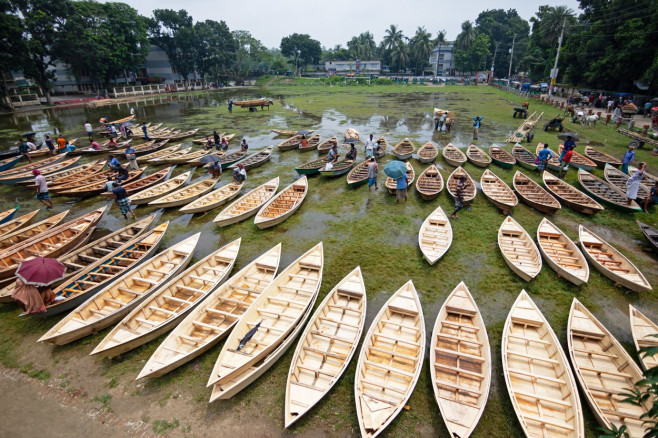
454,155
500,157
76,176
248,204
117,299
255,159
570,196
163,159
404,149
214,199
605,371
650,233
18,223
390,361
287,132
460,362
175,135
518,249
290,144
524,157
282,205
186,194
358,175
28,176
429,183
89,281
383,147
648,179
561,253
326,347
168,305
98,187
453,179
477,156
214,317
605,192
498,192
534,195
618,179
579,161
26,233
539,380
196,162
31,166
352,133
645,335
105,149
278,309
228,159
9,162
313,143
323,148
553,162
610,262
311,167
139,149
391,184
435,236
601,158
337,169
428,152
83,169
144,183
154,192
178,158
81,180
159,154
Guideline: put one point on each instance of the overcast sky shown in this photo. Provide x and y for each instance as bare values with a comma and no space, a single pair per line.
337,21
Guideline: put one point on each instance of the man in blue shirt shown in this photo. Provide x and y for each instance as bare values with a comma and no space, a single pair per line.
145,131
131,157
629,156
569,145
114,163
543,156
476,126
401,189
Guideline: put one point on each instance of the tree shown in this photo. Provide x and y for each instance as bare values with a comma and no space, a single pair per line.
421,46
475,57
392,37
542,46
338,53
440,40
400,55
12,46
301,49
502,28
215,48
362,46
249,52
466,37
174,33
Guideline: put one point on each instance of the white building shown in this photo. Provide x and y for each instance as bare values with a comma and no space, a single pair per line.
158,66
442,60
343,68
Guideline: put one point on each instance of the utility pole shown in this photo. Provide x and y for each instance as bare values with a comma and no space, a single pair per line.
557,56
493,62
511,57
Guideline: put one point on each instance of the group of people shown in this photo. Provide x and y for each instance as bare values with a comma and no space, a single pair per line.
218,142
442,123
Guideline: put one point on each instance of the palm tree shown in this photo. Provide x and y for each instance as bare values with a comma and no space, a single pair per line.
439,41
400,54
550,23
392,37
421,46
467,36
367,45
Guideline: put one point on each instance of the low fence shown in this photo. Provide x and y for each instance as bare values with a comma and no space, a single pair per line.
22,100
137,90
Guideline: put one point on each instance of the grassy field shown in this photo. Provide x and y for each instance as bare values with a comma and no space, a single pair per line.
358,228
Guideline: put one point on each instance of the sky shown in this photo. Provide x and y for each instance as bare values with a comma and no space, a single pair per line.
336,21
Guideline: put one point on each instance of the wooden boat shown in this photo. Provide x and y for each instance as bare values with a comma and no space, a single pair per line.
196,162
500,157
610,262
524,157
518,249
429,183
43,150
561,253
553,162
352,133
477,156
538,376
18,223
214,199
534,195
233,157
31,166
274,314
186,194
498,192
186,158
28,176
645,335
404,149
7,215
648,179
358,175
214,317
604,192
453,179
570,196
255,159
326,347
99,187
460,362
383,147
141,149
96,167
313,143
143,183
158,154
650,233
390,361
323,148
23,234
282,205
288,132
154,192
340,168
617,178
83,169
175,135
311,167
428,152
247,205
105,149
170,303
453,155
125,119
52,243
290,144
253,103
579,161
80,181
10,162
391,184
601,158
435,236
163,159
204,140
605,371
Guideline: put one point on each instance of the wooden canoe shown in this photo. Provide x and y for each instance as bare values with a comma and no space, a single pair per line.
312,143
430,183
561,253
287,132
77,176
233,157
650,233
604,192
28,176
7,215
524,157
534,195
500,157
404,149
26,233
498,192
175,135
645,335
311,167
169,304
601,158
570,196
214,317
518,249
453,179
154,192
105,149
435,236
359,174
18,223
43,150
604,370
340,168
141,149
326,347
648,179
204,140
163,159
390,361
159,154
539,380
180,158
579,161
618,179
84,180
86,283
427,152
460,362
196,162
290,144
273,315
256,159
76,172
214,199
143,183
453,155
610,262
553,162
248,204
99,187
391,184
383,147
117,299
9,162
282,205
125,119
323,148
477,156
186,194
31,166
147,148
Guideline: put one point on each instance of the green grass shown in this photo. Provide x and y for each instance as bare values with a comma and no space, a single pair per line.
104,400
162,427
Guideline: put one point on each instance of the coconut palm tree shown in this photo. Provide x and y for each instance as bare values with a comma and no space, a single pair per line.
400,54
421,47
467,36
439,41
367,45
391,37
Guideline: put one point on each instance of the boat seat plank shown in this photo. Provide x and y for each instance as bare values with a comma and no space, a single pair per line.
458,353
389,369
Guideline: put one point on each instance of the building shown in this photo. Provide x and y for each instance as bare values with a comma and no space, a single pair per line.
357,67
442,59
159,69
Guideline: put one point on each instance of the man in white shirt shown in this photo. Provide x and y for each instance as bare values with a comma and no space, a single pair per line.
89,129
42,189
370,147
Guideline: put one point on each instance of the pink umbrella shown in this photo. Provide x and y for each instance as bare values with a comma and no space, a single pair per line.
41,271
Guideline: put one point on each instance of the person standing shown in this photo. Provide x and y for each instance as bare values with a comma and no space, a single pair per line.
89,130
109,185
42,189
122,130
443,121
629,156
373,168
633,183
401,189
24,149
121,196
542,158
132,111
611,102
647,109
460,189
230,105
113,131
61,144
370,147
436,122
477,121
216,138
131,157
564,162
616,114
145,131
50,144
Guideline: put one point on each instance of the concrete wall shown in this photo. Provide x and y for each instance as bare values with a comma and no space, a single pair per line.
344,67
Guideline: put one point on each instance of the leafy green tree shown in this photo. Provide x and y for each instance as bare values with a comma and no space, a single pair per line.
466,37
362,46
215,48
542,46
400,55
475,57
12,46
250,51
421,45
440,41
174,33
502,28
301,49
392,37
338,53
